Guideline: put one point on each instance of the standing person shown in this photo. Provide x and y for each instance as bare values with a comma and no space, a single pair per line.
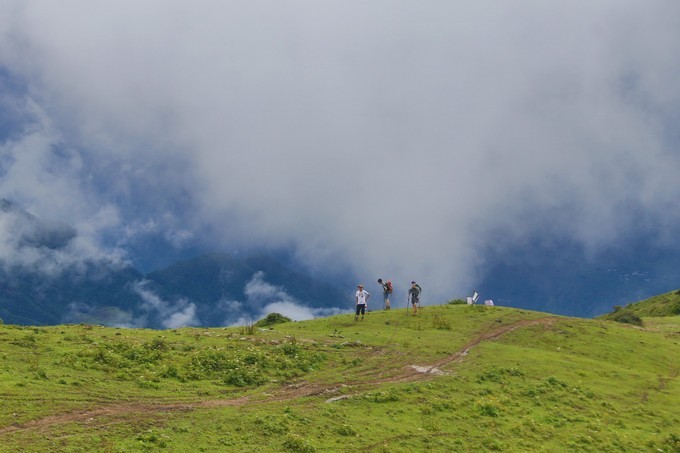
387,290
420,294
414,296
361,298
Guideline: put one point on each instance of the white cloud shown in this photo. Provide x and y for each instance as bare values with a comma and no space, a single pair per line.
112,316
172,315
298,312
392,138
266,298
258,290
182,318
294,311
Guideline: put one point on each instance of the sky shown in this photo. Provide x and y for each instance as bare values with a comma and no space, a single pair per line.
392,139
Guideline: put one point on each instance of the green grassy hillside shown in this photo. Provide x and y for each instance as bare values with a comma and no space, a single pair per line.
667,304
453,378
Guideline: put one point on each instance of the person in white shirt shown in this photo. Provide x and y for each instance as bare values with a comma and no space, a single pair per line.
361,298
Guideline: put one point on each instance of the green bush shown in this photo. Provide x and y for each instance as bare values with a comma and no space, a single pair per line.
253,366
672,443
489,410
210,361
441,323
382,397
626,317
271,319
123,354
27,341
244,377
675,308
297,443
499,375
457,302
346,430
552,380
157,344
248,329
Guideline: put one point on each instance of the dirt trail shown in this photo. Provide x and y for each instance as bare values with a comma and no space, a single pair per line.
118,413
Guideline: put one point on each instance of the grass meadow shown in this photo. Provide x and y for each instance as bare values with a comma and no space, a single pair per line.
453,378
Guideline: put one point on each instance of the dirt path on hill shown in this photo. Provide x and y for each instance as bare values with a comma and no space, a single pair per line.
120,413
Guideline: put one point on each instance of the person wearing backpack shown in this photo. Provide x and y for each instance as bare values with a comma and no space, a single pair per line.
420,294
387,290
414,296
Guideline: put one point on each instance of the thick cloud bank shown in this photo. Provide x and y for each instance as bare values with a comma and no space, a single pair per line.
394,139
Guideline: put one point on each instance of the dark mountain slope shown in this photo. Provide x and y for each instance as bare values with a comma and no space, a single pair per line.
225,288
562,278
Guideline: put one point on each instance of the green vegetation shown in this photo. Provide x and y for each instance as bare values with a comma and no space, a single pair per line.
272,319
457,302
667,304
452,378
624,315
658,306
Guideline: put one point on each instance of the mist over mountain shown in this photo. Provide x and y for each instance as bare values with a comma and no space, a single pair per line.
564,278
28,230
517,149
48,284
213,290
45,280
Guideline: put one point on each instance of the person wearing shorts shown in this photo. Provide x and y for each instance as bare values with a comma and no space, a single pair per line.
414,296
361,298
387,290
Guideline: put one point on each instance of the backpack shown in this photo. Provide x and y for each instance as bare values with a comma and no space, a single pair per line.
389,287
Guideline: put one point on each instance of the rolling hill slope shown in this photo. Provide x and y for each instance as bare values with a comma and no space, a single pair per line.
667,304
453,378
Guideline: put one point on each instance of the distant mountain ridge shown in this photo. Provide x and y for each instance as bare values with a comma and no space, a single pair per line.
214,287
561,278
32,231
222,289
38,286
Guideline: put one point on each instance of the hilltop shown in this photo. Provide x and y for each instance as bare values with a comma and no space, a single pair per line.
667,304
453,378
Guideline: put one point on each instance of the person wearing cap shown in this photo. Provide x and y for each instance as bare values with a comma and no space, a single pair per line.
361,298
387,290
414,296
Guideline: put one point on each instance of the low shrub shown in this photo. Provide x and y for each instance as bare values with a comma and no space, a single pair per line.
272,319
499,375
457,302
438,322
626,317
27,341
248,329
297,443
346,430
489,410
382,397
